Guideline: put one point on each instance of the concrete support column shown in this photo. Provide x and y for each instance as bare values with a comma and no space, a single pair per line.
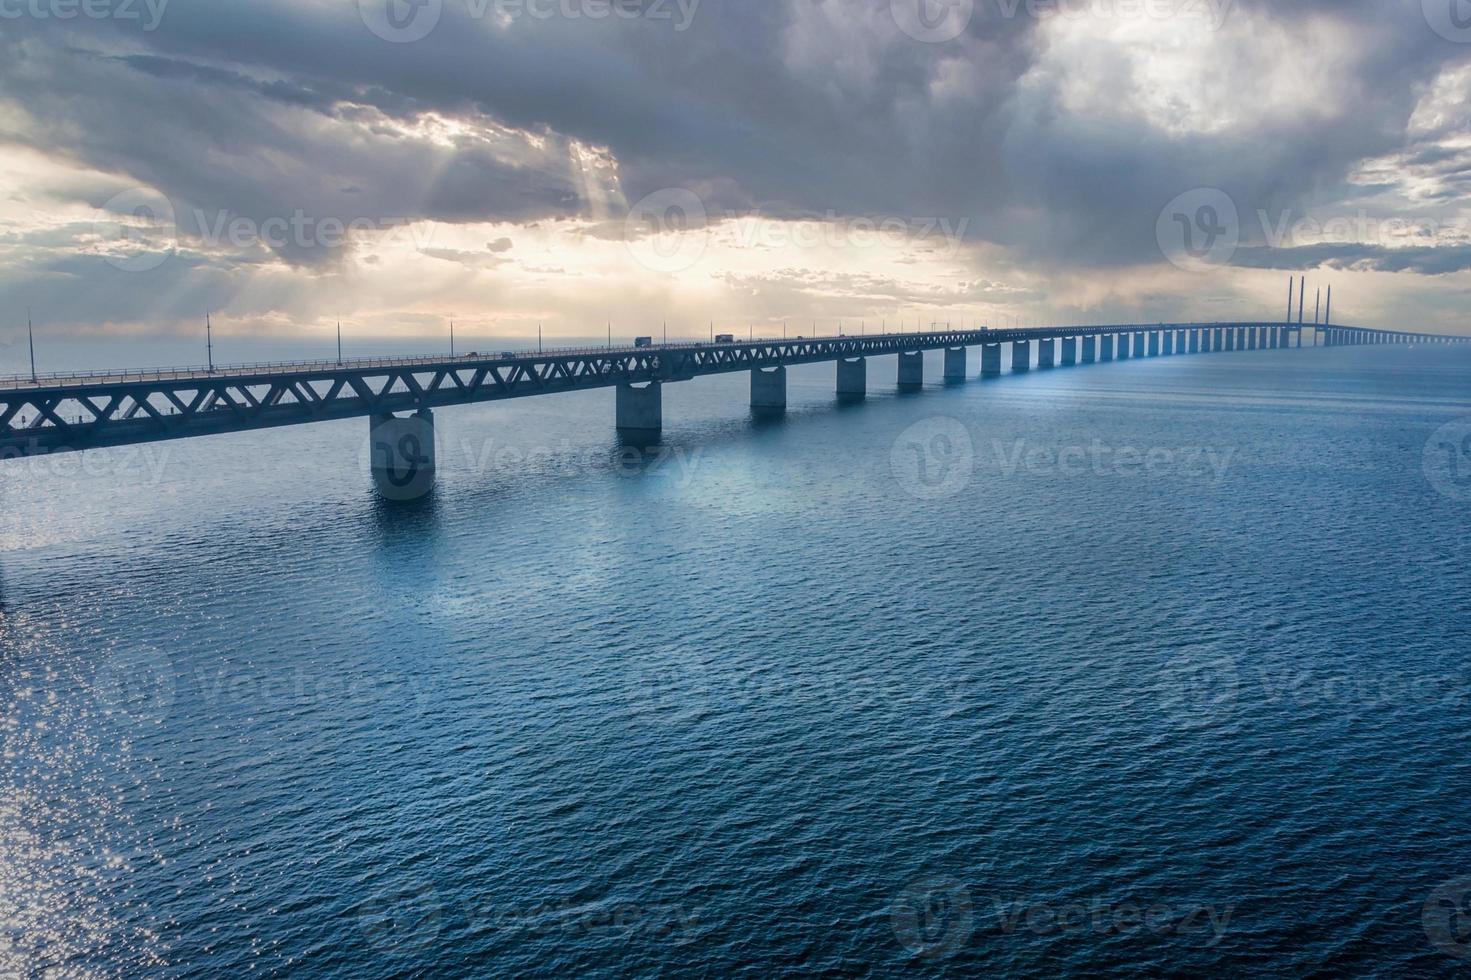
1123,342
402,454
1105,348
853,378
1251,338
1090,350
954,364
1069,351
1139,342
1021,356
1194,341
911,371
640,410
990,360
769,390
1046,353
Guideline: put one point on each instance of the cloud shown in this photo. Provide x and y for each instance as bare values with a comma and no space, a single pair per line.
1053,140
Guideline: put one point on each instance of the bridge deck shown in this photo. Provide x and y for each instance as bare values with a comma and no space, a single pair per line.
68,412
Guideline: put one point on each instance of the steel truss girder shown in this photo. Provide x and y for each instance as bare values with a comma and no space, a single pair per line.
114,413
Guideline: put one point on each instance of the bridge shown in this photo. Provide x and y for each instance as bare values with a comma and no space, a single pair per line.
48,414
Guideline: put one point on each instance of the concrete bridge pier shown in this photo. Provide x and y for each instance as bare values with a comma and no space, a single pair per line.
1069,351
954,364
990,360
1090,350
1105,347
1046,354
402,454
640,410
1021,356
911,371
769,391
853,378
1195,341
1123,342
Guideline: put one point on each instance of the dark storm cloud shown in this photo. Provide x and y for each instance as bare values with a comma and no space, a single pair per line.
788,108
1425,260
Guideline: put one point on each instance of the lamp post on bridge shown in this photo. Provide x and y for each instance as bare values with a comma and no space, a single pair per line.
31,337
209,342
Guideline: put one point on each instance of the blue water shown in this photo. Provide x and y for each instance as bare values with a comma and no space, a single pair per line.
890,687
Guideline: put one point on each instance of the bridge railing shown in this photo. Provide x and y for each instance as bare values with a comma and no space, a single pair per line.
203,371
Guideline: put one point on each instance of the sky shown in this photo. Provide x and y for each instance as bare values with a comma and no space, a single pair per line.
642,165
